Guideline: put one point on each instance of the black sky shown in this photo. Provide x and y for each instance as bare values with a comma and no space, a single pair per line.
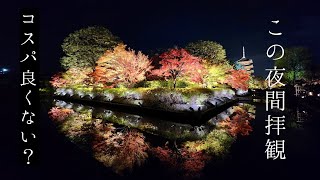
150,25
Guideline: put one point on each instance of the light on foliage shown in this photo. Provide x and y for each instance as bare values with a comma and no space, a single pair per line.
178,63
121,67
217,74
83,47
238,79
211,52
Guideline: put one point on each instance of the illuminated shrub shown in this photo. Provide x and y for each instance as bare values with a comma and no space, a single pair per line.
167,84
60,91
80,93
108,96
132,95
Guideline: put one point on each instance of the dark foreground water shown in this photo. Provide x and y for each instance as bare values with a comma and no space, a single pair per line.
62,159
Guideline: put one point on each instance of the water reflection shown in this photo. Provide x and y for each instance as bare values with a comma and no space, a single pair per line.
296,117
125,141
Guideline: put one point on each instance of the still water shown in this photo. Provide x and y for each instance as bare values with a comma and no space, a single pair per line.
129,145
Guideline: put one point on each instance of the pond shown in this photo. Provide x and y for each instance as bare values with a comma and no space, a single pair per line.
142,146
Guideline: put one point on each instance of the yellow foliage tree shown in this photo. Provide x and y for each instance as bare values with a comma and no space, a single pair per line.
77,76
216,74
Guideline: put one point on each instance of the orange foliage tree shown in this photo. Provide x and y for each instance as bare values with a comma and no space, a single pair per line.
73,76
177,63
238,79
121,66
76,76
133,150
238,124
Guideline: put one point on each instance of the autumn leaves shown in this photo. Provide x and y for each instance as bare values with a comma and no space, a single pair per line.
96,58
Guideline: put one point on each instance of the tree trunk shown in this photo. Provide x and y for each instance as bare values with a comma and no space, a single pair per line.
174,82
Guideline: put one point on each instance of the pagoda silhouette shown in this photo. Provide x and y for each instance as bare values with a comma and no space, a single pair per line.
245,63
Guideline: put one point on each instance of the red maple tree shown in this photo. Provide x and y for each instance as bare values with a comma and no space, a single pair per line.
176,63
58,81
238,79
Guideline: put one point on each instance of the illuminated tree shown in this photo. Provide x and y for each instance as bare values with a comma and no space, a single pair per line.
297,62
85,46
257,82
57,81
73,76
77,76
217,73
121,66
178,63
238,79
211,52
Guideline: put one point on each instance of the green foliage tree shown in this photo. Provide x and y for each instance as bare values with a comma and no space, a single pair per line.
210,51
257,82
297,63
217,73
83,47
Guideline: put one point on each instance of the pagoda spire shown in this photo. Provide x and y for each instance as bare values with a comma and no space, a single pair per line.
243,53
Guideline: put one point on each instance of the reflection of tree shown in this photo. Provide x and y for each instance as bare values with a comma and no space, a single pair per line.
119,150
77,126
124,149
187,163
59,114
238,124
217,143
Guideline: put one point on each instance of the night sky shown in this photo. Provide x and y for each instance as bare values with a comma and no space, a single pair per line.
150,25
